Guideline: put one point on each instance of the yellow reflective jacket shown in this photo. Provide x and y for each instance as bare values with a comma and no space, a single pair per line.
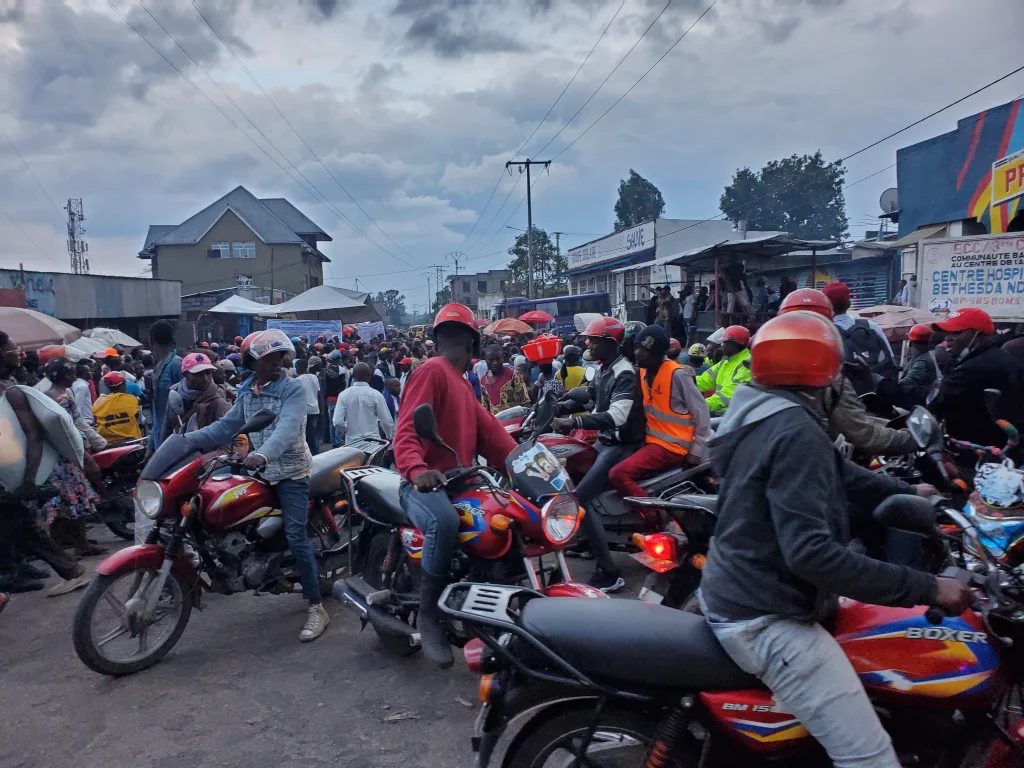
723,377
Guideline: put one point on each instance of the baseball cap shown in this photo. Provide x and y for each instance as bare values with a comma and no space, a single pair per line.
405,361
114,379
226,365
966,319
674,345
111,352
837,291
197,362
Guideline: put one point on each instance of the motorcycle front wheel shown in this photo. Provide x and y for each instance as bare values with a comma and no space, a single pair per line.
112,639
621,739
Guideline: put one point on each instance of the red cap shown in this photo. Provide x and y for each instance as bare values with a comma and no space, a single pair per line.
114,379
967,319
837,292
405,361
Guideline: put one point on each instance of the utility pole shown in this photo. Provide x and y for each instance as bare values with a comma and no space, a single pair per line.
558,246
456,257
529,215
438,269
77,247
430,298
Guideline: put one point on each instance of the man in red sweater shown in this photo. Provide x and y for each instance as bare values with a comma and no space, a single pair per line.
465,426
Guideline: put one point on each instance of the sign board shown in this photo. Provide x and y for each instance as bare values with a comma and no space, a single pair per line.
985,272
308,328
369,331
625,243
1008,178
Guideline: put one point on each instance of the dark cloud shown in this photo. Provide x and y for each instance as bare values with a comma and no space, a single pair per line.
11,11
327,8
779,31
451,38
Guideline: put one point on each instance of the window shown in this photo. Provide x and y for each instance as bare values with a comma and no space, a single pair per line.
602,283
465,286
219,251
243,251
591,285
481,286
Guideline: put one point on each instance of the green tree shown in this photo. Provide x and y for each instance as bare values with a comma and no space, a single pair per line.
394,305
547,263
442,297
639,201
802,195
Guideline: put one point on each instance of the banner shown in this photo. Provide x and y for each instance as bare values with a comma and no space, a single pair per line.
1008,178
367,331
985,272
308,328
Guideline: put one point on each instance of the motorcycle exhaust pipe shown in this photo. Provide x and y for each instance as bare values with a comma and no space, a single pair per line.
380,619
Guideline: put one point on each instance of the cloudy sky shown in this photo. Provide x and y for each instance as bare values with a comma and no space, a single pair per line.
415,105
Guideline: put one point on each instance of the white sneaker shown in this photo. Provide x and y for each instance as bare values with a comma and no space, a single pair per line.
64,587
316,622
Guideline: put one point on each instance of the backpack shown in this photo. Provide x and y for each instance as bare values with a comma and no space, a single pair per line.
862,345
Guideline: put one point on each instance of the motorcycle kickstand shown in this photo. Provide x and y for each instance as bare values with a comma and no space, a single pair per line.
582,751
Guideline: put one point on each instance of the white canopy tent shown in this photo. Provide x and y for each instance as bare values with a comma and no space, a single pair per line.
237,305
111,337
328,302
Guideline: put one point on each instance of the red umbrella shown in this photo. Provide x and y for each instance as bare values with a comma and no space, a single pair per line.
536,316
480,323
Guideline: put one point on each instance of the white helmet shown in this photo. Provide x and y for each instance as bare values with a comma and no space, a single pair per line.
270,341
717,337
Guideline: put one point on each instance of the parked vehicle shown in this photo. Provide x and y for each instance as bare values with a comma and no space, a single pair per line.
212,518
121,466
504,526
623,683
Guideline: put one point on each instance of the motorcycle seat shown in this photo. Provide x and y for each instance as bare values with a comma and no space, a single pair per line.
378,493
325,477
704,501
628,641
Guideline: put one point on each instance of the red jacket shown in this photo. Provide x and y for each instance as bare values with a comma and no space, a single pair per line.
461,422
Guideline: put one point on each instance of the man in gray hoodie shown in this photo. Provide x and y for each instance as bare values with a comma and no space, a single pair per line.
779,553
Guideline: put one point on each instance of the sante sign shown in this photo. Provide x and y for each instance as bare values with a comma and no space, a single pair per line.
625,243
1008,178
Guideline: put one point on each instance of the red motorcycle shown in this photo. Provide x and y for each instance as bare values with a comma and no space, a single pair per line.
120,467
625,683
504,525
212,517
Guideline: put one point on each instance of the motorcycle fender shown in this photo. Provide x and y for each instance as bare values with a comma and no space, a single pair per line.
572,589
148,556
494,736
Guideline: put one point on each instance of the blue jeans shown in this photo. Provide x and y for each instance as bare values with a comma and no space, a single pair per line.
433,514
313,432
593,484
811,678
293,495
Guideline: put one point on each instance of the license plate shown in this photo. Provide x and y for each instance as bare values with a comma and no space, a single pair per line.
656,565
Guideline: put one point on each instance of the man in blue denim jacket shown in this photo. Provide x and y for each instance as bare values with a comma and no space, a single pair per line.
279,452
166,374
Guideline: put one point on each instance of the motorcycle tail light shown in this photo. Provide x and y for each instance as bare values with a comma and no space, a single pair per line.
660,546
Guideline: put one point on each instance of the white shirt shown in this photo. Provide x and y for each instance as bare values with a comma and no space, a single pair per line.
311,384
480,369
688,306
845,322
359,410
83,399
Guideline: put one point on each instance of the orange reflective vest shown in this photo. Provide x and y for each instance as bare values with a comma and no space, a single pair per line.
672,431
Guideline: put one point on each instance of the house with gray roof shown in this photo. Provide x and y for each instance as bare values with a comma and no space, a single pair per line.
239,241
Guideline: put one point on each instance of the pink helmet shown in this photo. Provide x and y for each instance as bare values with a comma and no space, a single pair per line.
270,341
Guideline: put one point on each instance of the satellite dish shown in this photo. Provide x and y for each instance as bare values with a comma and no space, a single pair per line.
889,201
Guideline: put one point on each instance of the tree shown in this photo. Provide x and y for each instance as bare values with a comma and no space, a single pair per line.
394,304
802,195
442,297
546,264
639,201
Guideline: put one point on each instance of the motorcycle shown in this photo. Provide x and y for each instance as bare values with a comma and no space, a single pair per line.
212,517
120,467
503,526
623,683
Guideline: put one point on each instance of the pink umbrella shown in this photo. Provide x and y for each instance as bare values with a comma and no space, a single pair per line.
536,316
897,321
508,325
33,330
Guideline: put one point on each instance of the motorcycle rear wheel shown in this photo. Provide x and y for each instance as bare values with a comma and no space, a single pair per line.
375,576
123,527
621,740
175,604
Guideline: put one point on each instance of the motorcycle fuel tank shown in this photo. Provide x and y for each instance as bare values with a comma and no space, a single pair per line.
475,534
230,500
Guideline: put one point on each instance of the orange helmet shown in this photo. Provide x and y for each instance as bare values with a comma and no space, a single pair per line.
737,333
810,299
797,349
456,313
606,328
920,332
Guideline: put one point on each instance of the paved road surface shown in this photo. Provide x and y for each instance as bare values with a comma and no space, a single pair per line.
238,691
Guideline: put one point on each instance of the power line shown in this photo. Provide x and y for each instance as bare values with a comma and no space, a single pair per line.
634,85
614,70
26,236
57,208
496,214
295,130
323,202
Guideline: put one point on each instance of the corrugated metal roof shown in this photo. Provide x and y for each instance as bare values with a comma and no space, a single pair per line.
260,219
939,230
296,220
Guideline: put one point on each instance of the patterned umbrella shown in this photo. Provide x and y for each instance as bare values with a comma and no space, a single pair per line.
508,325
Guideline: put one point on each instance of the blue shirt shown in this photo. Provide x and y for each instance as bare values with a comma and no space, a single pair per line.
166,374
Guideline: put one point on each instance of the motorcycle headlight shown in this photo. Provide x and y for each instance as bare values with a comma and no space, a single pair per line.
561,517
149,498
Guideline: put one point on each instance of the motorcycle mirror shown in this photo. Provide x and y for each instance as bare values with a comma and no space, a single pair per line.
425,423
924,428
590,374
904,512
992,397
579,395
259,421
545,413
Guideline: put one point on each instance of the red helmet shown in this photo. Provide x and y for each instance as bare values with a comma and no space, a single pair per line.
920,332
797,349
248,340
737,333
809,299
606,328
456,313
239,339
